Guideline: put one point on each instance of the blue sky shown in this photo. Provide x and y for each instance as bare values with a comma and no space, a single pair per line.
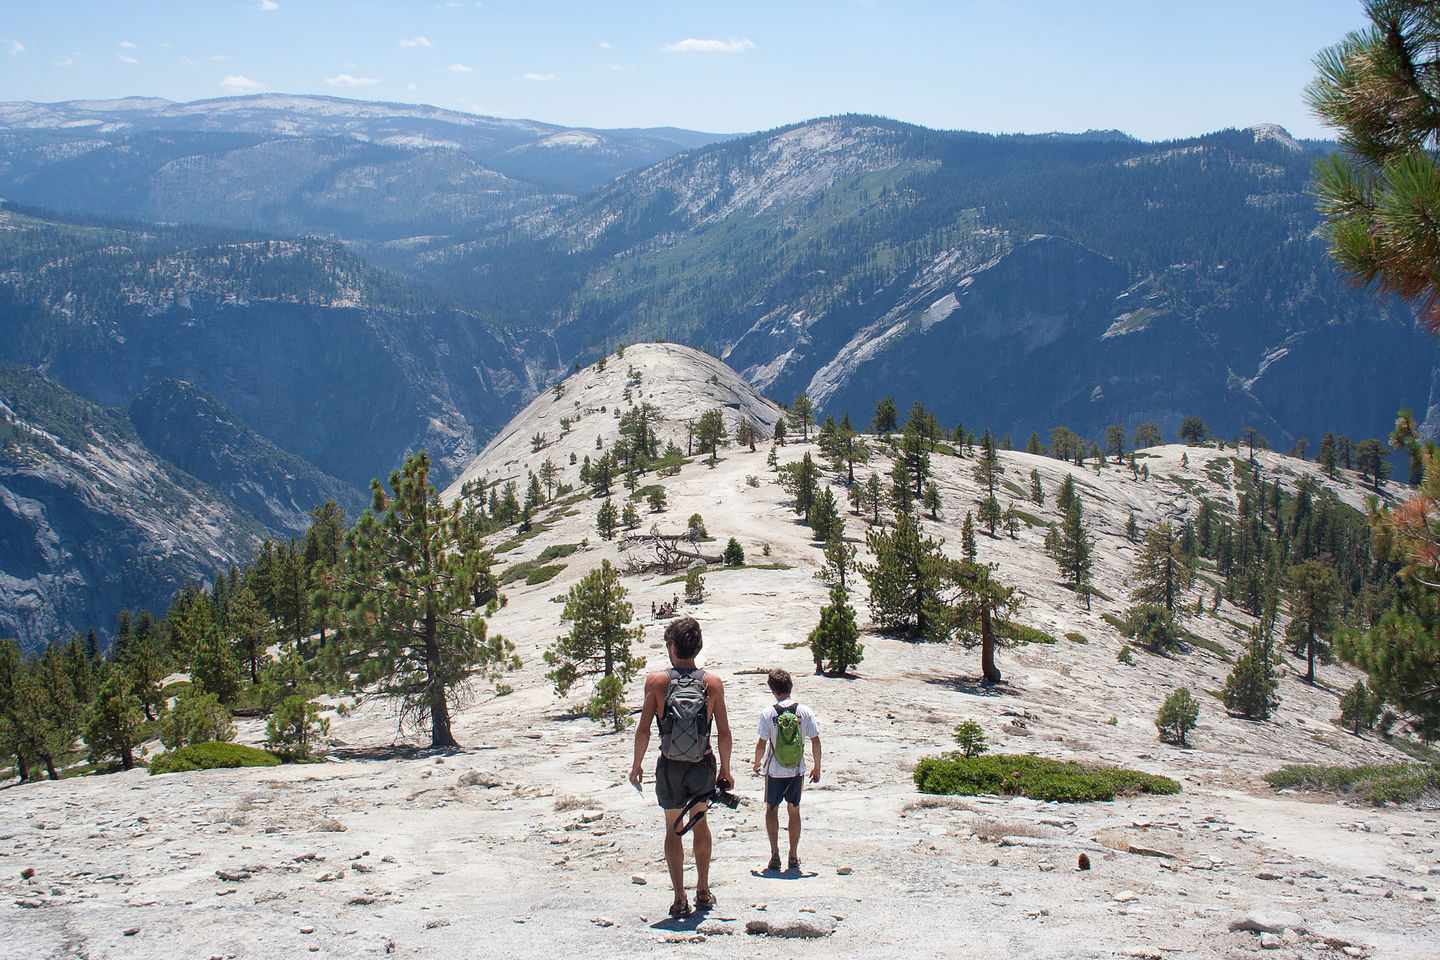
1156,69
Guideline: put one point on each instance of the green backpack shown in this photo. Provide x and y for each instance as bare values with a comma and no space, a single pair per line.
789,745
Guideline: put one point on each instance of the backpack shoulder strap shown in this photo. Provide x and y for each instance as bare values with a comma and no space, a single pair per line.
793,708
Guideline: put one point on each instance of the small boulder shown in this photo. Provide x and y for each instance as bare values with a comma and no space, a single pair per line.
1269,941
1268,921
801,928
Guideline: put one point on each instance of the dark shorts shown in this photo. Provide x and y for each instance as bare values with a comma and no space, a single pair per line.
787,789
677,781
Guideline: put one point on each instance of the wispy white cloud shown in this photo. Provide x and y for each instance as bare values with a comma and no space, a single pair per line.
219,56
124,59
126,44
268,5
345,80
67,62
606,45
692,45
540,77
461,68
411,88
237,84
16,47
415,42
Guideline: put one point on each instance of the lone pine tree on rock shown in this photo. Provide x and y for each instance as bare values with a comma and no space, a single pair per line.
410,633
598,644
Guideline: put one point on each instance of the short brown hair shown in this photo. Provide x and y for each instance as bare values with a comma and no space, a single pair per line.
780,683
684,636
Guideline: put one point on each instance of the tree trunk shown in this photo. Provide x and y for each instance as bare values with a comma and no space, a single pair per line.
440,735
50,766
1310,657
988,669
127,758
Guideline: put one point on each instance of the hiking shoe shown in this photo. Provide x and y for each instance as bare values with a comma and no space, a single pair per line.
774,863
680,908
793,865
704,900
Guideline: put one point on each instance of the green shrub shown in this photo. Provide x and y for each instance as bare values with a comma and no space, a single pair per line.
734,553
197,717
695,586
531,571
1153,626
1378,784
1177,716
294,728
210,756
1074,637
557,551
971,738
1359,708
1038,778
1018,633
1123,655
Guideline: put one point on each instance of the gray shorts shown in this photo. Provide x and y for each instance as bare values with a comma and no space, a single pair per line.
677,781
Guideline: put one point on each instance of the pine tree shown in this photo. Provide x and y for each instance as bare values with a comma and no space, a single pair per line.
710,432
1359,709
824,517
905,575
1177,717
1379,88
606,519
1037,492
1073,551
886,417
834,641
409,636
1161,572
930,499
1312,590
1250,689
972,605
967,537
802,416
113,728
656,499
598,644
630,516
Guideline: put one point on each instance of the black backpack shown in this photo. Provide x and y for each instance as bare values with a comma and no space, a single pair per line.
685,722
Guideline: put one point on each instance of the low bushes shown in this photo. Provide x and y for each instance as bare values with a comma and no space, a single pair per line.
1378,784
1038,778
210,756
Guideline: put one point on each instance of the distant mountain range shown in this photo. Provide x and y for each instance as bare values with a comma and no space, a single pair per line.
345,282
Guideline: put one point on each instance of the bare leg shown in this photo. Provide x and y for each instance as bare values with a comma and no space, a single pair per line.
701,833
675,854
772,829
794,830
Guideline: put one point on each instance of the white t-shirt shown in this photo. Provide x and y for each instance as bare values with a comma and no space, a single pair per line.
808,728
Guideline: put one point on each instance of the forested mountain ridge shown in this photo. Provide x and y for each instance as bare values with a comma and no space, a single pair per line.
848,252
91,520
320,353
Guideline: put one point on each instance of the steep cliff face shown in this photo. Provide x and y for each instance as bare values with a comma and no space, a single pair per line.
91,522
182,424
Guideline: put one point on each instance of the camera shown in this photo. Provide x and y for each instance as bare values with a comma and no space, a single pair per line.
723,795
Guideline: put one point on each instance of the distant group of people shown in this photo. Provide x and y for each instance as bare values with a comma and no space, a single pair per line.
687,701
663,609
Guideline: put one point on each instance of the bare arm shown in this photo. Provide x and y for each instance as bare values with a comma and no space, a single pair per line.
759,755
722,727
654,691
815,755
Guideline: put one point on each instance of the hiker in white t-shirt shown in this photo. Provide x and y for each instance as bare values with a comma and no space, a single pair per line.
784,727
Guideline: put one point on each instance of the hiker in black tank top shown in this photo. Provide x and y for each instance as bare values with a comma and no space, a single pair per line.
688,703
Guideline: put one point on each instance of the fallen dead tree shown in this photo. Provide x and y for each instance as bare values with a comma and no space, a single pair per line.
663,552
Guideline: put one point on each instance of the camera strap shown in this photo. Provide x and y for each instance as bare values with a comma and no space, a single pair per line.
682,826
